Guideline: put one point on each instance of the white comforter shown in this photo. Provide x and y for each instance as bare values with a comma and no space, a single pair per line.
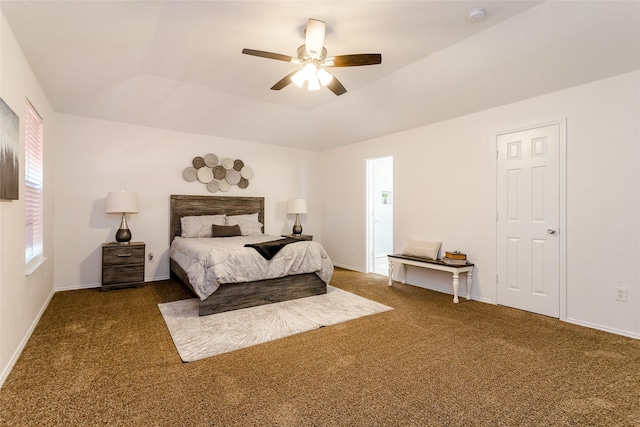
211,261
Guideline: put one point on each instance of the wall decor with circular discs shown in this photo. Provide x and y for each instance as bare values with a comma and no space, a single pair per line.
218,174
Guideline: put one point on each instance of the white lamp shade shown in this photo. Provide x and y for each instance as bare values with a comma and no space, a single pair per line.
313,84
297,206
324,76
122,202
298,78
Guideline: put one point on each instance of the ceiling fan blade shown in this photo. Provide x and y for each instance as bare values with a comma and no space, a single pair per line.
268,55
336,87
314,38
354,60
284,82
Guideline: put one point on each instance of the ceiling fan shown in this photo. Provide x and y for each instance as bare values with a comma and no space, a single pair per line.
313,56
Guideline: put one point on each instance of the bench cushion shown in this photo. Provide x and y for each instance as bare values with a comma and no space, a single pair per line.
419,248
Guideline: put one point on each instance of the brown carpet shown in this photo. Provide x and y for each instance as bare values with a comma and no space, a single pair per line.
106,358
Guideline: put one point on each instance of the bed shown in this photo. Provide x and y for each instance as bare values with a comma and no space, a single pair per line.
230,294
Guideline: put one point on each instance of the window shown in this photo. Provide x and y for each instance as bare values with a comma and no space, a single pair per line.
33,177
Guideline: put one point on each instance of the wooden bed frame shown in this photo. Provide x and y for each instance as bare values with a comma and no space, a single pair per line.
233,296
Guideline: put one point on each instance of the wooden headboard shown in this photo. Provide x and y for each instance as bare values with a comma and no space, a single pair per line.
185,205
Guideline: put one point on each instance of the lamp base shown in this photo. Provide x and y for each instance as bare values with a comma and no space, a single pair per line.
123,235
297,227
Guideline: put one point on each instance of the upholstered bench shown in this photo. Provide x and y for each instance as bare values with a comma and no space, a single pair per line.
434,265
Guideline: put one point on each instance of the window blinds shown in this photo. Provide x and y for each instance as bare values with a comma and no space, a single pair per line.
33,183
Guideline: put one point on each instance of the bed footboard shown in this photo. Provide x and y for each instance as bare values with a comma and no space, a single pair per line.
234,296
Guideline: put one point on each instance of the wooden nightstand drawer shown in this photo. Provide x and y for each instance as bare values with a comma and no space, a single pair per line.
122,274
123,254
122,265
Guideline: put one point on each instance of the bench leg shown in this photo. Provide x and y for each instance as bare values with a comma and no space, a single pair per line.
469,283
402,267
456,284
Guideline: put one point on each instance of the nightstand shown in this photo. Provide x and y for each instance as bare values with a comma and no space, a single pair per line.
122,265
299,236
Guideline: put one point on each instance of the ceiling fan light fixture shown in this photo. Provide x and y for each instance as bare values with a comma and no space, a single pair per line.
324,76
313,84
310,71
312,57
299,78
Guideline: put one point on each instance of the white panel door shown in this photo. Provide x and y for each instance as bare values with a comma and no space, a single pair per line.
528,197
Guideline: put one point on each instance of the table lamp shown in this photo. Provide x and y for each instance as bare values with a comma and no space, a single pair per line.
122,202
297,207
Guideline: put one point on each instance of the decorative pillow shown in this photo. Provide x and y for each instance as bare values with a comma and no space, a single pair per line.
225,230
251,217
418,248
200,226
247,226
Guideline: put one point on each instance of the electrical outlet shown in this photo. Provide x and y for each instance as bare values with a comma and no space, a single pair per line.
621,294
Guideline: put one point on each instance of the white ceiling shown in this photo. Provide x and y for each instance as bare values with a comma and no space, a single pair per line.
178,65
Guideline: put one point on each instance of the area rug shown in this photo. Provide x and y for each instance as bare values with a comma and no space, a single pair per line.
198,337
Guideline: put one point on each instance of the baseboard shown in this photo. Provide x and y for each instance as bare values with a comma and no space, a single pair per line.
23,343
604,328
446,291
78,287
348,267
97,285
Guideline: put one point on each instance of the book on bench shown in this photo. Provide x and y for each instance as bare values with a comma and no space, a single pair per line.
450,261
455,255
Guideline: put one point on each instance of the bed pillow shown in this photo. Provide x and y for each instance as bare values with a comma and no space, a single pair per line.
248,227
200,226
252,217
225,230
418,248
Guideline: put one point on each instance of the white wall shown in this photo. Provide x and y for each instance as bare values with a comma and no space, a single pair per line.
94,157
444,190
22,298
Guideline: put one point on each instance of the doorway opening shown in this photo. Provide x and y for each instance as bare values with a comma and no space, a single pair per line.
379,214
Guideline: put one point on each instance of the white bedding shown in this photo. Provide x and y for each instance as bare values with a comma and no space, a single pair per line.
211,261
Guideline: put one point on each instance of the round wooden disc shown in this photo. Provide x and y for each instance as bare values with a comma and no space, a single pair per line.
238,165
198,162
190,174
244,183
219,172
205,175
211,160
213,186
246,172
227,163
233,177
224,186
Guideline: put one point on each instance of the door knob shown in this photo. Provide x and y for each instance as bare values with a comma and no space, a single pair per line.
551,230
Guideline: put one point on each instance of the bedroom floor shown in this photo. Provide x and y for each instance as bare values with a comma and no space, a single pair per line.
106,358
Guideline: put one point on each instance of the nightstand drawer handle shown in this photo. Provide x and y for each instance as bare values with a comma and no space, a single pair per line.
124,255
